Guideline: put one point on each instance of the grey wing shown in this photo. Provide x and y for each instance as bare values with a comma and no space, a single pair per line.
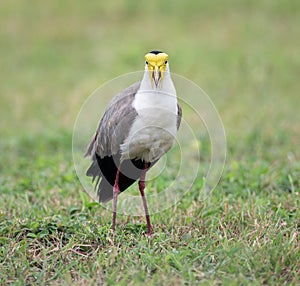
114,125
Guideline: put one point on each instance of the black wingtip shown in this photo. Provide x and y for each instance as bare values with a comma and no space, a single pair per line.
155,52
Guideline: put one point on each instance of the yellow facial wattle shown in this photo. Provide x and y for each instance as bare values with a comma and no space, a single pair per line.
157,64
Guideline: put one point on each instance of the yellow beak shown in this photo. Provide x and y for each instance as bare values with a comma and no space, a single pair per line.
156,75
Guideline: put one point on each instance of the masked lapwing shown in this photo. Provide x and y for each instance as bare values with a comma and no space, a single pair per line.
138,127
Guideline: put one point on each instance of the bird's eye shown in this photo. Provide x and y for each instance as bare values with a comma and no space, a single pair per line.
147,63
166,62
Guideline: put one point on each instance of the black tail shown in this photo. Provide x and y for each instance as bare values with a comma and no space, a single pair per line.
105,170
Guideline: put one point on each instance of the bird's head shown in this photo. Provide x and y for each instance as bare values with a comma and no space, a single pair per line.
156,63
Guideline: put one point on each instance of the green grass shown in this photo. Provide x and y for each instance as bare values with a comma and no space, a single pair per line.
244,54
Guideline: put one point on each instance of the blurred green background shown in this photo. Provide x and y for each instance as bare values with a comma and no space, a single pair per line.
244,54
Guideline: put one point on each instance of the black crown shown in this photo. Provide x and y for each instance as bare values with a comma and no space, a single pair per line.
155,52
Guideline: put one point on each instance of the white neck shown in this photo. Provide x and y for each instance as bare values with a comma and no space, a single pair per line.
149,97
164,86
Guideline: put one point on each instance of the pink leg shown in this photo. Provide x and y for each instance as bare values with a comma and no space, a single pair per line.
142,187
116,191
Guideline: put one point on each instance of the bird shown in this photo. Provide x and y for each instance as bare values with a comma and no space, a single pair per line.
137,128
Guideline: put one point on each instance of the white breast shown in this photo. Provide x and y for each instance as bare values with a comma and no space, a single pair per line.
153,132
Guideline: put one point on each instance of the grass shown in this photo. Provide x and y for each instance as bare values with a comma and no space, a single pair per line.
243,54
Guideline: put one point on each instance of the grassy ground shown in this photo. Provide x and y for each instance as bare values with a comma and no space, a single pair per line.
245,54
